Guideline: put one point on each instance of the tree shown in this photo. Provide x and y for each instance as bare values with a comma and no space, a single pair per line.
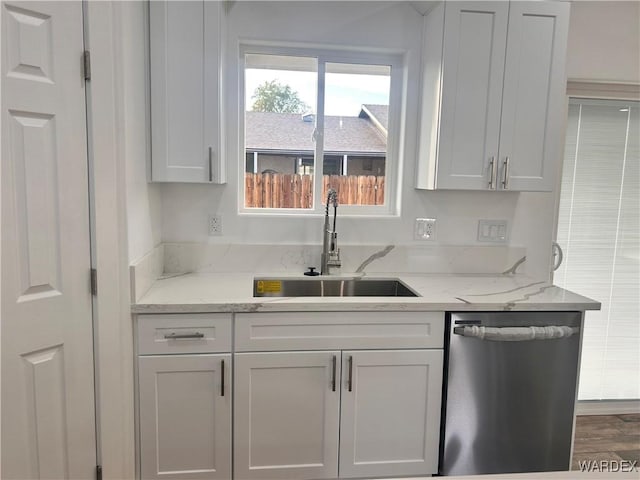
272,96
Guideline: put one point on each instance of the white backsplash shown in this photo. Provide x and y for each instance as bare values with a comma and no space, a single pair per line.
265,259
146,271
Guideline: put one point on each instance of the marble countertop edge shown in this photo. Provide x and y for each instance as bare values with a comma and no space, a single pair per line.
337,306
232,293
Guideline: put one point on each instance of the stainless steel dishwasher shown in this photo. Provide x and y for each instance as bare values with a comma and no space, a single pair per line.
509,394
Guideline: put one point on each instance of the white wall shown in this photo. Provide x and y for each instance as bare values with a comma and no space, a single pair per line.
604,41
378,24
143,199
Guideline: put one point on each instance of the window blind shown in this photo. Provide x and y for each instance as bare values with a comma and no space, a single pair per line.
599,231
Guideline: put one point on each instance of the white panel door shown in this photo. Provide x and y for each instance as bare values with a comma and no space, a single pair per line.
48,418
533,105
390,413
286,415
185,417
473,65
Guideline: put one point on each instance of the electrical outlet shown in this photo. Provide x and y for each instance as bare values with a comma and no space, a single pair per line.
215,225
425,229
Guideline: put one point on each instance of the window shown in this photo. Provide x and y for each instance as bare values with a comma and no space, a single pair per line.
315,120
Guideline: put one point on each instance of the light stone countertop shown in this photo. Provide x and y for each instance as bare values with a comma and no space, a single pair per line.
233,292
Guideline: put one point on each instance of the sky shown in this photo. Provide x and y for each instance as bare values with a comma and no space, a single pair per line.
344,93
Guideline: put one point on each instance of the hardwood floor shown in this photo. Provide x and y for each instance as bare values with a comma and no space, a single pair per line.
607,437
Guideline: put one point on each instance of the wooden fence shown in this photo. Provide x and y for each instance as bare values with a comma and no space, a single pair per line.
274,190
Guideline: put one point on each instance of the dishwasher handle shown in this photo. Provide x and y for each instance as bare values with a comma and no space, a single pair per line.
516,334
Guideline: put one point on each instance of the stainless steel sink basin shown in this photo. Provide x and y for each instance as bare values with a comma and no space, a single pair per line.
330,287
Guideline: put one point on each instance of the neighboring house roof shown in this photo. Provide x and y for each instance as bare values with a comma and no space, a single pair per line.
379,115
267,131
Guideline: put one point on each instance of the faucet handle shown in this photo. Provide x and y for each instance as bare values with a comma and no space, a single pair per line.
311,272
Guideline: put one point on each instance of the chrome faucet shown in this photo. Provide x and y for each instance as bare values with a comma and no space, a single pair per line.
330,251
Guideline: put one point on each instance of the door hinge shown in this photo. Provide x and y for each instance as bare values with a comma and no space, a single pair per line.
94,282
98,472
86,64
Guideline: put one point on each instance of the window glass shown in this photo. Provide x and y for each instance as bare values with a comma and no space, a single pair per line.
280,104
315,120
356,104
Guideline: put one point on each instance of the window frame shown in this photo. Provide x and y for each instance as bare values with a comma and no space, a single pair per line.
395,131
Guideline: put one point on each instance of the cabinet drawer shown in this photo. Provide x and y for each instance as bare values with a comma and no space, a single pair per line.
338,330
184,333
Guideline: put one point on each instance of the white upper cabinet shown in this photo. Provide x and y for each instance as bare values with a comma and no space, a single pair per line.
533,99
474,50
493,83
187,137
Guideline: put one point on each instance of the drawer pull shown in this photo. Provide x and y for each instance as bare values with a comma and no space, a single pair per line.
333,378
182,336
222,378
350,372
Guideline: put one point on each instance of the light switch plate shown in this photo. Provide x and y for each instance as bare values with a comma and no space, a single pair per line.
494,231
425,229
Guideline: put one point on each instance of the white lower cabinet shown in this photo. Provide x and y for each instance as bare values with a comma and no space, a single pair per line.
184,396
297,413
390,412
185,416
314,395
287,413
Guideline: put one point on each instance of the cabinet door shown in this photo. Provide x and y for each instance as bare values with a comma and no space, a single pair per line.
185,417
185,42
286,415
473,65
533,107
390,416
214,94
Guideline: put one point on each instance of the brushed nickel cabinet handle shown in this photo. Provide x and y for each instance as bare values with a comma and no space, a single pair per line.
492,173
333,377
505,180
222,378
182,336
350,373
210,164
